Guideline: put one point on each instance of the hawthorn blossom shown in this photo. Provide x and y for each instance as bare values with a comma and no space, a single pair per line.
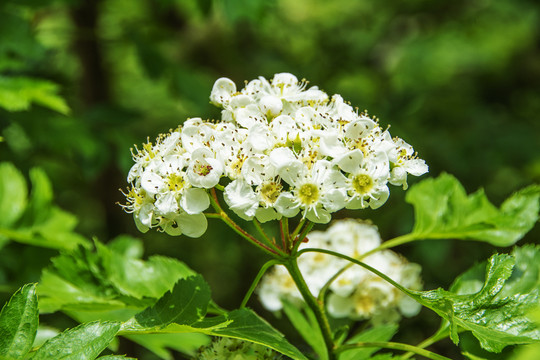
281,148
356,293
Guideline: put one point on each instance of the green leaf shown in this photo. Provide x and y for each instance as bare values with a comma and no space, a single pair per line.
443,210
306,327
18,323
378,333
35,221
244,324
13,194
18,93
114,357
185,304
83,342
109,277
241,324
497,313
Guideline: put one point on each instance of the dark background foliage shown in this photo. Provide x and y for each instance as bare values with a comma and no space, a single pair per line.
459,80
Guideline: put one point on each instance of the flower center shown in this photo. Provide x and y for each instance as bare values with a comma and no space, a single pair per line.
270,192
362,183
236,166
308,194
176,182
149,149
202,169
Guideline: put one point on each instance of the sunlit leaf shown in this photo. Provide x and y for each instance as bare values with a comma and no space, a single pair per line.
185,304
83,342
497,313
18,323
109,277
443,210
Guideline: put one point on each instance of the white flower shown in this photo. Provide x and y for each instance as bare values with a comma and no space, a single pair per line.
275,286
241,199
405,161
367,178
318,190
222,91
204,170
357,293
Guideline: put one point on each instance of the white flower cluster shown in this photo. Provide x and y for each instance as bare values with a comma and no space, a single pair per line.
356,293
284,149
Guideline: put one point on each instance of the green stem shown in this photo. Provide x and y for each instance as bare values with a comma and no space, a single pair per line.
297,241
324,289
326,286
311,301
298,228
261,231
393,346
400,240
255,282
285,225
357,262
227,220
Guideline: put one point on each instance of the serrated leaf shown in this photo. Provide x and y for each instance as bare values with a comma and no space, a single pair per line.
105,278
18,94
84,342
185,304
241,324
18,323
13,194
244,324
378,333
497,314
306,327
443,210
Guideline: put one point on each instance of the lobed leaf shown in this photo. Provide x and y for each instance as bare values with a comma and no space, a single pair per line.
84,342
443,210
107,278
497,313
19,323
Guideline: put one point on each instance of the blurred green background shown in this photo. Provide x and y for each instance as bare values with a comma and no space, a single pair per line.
458,80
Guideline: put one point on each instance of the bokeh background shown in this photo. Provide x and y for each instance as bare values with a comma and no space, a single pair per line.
459,80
